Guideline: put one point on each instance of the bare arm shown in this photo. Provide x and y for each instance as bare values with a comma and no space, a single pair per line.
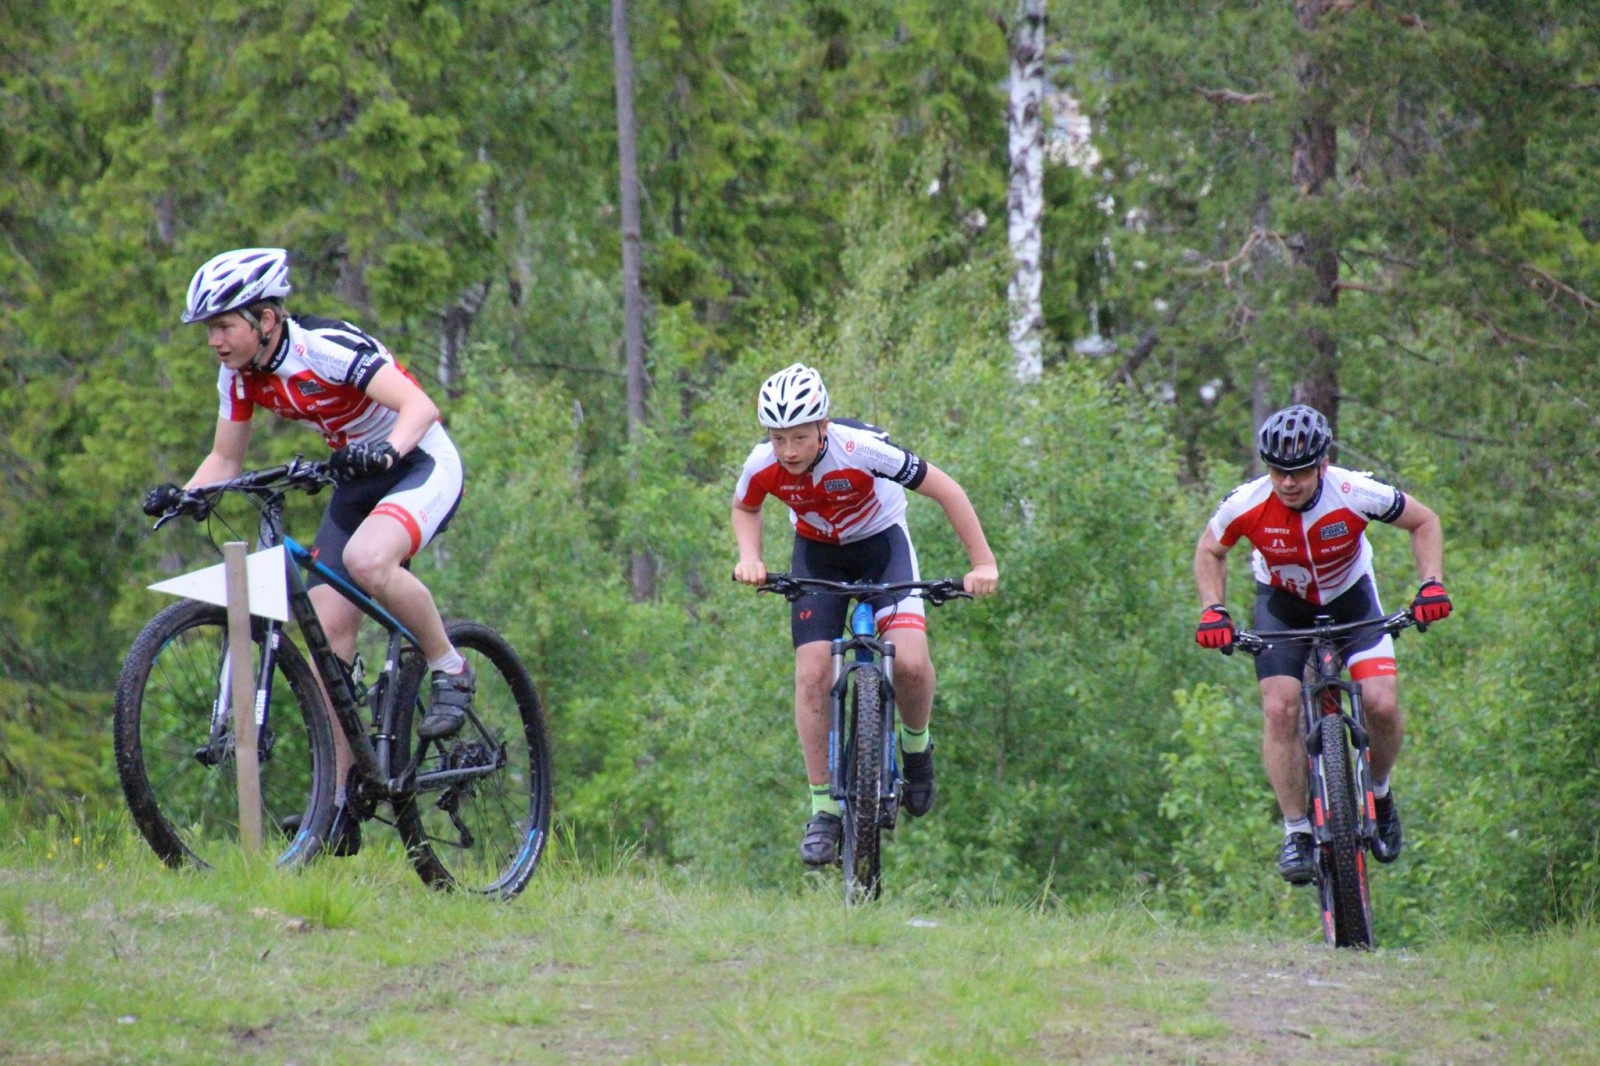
227,454
390,387
1211,569
747,533
948,494
1427,538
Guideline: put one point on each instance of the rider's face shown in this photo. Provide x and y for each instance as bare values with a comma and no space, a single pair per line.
233,338
797,446
1296,487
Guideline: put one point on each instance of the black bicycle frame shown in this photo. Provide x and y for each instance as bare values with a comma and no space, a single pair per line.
1318,699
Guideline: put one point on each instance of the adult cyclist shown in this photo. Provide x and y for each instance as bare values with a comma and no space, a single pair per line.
399,477
844,483
1305,520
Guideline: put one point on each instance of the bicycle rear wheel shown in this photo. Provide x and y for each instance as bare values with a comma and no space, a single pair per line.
173,736
1342,867
861,856
480,817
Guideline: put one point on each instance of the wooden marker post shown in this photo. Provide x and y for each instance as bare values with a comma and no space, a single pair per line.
246,760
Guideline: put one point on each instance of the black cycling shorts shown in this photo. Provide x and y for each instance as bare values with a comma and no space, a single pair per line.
354,500
886,556
1277,609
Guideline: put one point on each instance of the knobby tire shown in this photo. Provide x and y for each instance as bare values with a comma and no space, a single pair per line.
182,789
1343,864
863,806
505,811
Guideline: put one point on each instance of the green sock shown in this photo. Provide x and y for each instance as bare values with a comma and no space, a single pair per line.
821,802
913,742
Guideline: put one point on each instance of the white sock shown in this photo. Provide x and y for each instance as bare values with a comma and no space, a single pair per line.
1380,789
1299,825
451,663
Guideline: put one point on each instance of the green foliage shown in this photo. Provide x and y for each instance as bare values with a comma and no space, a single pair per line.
54,747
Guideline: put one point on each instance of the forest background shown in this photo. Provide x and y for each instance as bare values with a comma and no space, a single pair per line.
1390,210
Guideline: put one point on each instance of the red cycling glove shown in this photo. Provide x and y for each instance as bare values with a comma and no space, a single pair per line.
1432,603
1216,628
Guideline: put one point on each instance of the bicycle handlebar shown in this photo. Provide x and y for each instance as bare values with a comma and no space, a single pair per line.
308,475
935,592
1254,643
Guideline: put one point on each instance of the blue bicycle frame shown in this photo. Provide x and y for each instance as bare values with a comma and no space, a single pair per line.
867,650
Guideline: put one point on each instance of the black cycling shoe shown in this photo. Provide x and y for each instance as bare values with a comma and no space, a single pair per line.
919,789
1387,843
820,844
1297,859
452,697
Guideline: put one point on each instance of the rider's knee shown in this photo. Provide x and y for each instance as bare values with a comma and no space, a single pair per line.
1281,715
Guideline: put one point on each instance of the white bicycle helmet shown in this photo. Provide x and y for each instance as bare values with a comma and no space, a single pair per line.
793,396
237,279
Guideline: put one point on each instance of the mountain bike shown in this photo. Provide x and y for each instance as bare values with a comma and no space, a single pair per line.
863,771
1339,797
473,809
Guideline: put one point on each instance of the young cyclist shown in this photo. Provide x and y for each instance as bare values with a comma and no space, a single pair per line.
1306,521
399,476
844,483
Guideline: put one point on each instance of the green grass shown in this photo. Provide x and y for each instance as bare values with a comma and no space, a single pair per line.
105,956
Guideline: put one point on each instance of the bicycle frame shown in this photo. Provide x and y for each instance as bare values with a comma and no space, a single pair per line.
1319,697
862,648
372,750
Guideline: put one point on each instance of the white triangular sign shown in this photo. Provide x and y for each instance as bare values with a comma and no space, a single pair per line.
269,587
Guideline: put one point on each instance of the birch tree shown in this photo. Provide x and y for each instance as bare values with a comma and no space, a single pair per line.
1025,193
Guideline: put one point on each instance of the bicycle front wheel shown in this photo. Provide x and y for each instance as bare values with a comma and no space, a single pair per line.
1342,880
174,741
863,806
480,815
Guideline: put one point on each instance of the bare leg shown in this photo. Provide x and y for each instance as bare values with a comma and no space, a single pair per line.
1282,748
813,677
1385,727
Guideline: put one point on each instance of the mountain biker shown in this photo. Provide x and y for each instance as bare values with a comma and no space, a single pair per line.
399,477
1305,520
844,483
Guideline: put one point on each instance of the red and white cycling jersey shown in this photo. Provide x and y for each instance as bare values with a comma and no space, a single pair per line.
1315,553
319,374
853,491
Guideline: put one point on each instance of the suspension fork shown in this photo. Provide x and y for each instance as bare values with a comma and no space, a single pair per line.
849,655
1319,698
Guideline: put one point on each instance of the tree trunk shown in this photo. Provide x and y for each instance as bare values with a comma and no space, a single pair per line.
1315,162
454,327
1025,197
641,569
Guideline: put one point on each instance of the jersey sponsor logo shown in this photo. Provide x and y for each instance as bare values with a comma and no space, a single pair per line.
849,447
1292,579
1346,486
1274,529
837,484
309,387
365,366
1334,530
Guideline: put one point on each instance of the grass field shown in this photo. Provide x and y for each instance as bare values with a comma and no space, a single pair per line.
107,957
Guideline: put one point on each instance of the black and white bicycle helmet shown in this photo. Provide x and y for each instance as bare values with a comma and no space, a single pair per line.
1294,438
235,280
793,396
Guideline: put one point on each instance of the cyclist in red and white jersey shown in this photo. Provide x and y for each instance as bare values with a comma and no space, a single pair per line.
845,483
399,475
1306,522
